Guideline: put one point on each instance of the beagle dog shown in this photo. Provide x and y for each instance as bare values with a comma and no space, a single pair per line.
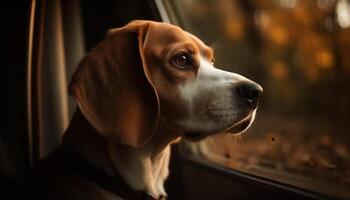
145,86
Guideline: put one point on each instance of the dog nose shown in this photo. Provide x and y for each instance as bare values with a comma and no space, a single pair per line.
250,92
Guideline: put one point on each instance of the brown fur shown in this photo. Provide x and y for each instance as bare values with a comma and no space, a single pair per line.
127,98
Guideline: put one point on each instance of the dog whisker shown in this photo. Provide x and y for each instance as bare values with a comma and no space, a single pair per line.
210,139
237,139
240,136
234,139
218,43
200,112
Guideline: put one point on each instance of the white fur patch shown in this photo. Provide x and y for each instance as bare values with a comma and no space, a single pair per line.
213,89
140,171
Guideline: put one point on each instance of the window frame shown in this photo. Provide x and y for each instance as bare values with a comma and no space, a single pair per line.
251,179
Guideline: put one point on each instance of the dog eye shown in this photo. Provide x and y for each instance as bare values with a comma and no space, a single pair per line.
182,61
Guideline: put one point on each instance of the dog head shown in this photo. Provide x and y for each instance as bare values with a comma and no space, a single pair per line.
147,71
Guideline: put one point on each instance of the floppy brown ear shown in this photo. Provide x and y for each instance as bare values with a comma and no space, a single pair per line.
113,90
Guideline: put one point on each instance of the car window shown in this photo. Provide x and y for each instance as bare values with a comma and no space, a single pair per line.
299,52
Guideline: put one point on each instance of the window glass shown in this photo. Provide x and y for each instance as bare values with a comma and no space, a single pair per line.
299,51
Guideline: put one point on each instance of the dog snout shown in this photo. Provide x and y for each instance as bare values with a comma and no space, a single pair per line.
249,92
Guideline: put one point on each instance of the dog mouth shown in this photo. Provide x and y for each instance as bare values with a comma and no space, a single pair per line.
237,128
194,136
240,126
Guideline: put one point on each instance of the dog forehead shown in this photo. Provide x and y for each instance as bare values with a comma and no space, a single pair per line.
165,34
205,51
168,33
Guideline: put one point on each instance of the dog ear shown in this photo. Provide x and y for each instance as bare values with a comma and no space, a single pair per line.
113,90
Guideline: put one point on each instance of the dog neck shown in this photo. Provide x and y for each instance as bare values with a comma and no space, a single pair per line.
143,168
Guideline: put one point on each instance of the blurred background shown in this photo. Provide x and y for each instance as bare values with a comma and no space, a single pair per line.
299,51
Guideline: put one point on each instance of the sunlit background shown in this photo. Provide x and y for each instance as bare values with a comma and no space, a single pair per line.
299,51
